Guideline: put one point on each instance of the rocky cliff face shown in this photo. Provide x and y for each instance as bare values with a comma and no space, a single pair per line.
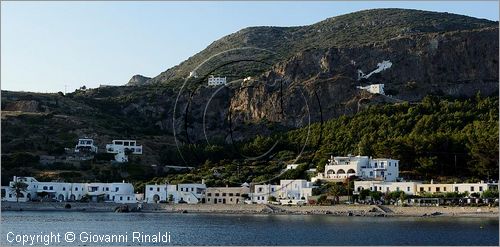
309,74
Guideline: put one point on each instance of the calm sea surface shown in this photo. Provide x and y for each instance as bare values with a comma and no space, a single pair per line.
203,229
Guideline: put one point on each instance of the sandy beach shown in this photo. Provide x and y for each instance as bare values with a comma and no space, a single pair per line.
339,210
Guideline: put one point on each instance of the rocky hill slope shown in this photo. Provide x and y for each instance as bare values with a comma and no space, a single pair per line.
299,75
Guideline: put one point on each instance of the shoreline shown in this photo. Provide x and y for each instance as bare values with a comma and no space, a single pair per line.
261,209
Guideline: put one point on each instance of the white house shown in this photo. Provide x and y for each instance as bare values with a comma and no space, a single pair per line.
262,192
410,188
121,147
188,193
85,144
373,88
287,192
216,81
415,188
107,192
365,167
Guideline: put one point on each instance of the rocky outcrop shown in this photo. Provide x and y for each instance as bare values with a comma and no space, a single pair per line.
138,80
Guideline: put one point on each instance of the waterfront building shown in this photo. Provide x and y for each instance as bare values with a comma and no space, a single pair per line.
216,81
287,192
339,168
181,193
410,188
470,188
227,195
121,149
262,192
85,145
419,188
61,191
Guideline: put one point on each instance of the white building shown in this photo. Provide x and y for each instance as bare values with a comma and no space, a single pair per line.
121,148
86,145
410,188
287,192
181,193
60,191
216,81
339,168
418,188
291,167
373,88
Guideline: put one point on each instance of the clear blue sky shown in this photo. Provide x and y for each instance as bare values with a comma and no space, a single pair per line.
46,45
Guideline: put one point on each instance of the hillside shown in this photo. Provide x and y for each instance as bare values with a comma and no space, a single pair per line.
300,76
346,31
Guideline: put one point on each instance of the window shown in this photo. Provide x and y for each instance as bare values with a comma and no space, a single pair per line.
397,188
444,188
76,188
116,189
421,189
231,194
64,188
121,198
208,199
128,198
389,163
456,189
51,187
150,188
192,189
260,189
407,188
272,189
223,194
480,188
380,188
387,189
472,188
125,143
118,143
428,188
438,189
216,194
220,200
209,194
158,189
237,194
44,187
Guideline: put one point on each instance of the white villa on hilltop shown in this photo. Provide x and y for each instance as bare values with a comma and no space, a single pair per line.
339,168
108,192
85,144
373,88
216,81
121,147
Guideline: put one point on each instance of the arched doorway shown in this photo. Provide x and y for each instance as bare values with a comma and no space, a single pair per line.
341,171
60,197
156,198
